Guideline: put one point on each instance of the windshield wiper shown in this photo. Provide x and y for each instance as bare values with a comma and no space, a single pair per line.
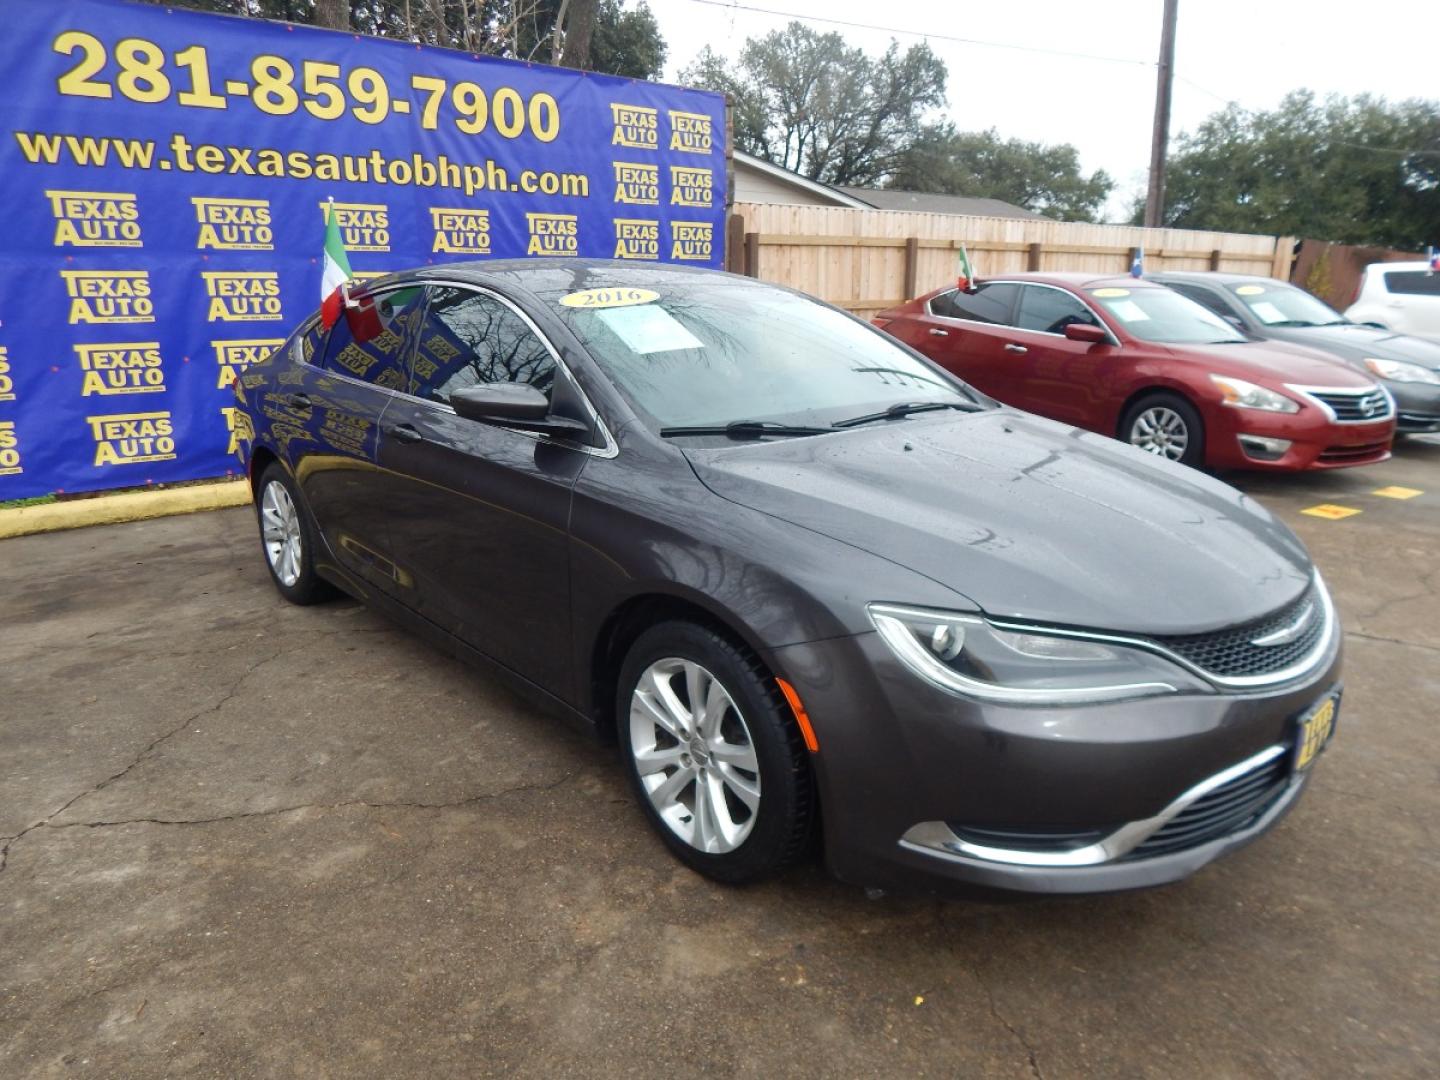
906,408
745,429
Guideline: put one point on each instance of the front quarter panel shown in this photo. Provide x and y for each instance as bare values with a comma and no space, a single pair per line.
643,525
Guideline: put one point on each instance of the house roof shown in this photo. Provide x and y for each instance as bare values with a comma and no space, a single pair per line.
889,199
804,183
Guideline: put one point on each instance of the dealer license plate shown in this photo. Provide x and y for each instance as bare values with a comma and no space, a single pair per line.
1316,727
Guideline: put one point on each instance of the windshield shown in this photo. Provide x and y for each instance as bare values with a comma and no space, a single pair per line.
1156,314
707,352
1284,305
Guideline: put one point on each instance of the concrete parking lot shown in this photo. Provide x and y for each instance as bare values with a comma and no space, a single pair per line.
247,839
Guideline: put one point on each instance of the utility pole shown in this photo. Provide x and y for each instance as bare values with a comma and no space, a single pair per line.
1160,138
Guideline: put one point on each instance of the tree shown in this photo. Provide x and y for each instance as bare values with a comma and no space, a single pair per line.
815,105
620,41
1039,177
1353,170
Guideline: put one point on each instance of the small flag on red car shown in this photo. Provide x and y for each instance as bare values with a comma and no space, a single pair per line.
966,276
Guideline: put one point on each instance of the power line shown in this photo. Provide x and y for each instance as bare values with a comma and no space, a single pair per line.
728,6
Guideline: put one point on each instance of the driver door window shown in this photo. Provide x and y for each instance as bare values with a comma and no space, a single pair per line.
473,337
1049,311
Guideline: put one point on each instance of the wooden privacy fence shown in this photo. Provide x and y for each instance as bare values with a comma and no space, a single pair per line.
868,260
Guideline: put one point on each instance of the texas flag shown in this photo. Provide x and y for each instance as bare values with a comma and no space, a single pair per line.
1137,266
1434,257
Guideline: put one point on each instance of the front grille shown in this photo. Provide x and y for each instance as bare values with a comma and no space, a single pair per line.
1355,406
1233,653
1229,808
1353,454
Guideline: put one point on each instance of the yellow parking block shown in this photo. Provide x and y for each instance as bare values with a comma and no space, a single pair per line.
1395,491
1330,511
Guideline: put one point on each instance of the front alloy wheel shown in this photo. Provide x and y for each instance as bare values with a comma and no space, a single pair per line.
694,755
1161,431
1166,425
713,753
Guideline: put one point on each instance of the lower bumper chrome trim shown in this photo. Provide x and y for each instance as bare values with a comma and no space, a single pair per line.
933,836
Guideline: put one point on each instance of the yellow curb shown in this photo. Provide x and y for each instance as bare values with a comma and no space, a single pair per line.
1331,511
1395,491
129,506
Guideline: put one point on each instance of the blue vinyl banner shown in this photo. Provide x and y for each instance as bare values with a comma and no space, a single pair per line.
164,173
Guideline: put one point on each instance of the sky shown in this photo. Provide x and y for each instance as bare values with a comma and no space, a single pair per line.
1249,51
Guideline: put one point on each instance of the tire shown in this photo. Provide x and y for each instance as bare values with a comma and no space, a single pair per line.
766,792
1167,426
287,538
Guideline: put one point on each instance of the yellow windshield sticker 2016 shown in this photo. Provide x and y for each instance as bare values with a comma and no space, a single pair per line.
1108,293
1250,290
609,298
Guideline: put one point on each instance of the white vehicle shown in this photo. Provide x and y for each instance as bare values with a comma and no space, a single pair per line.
1402,296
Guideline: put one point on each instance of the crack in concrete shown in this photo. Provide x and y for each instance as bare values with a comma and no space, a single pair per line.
1392,641
1015,1033
225,698
468,800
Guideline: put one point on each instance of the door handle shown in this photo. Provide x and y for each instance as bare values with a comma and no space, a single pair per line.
404,433
935,331
298,401
1011,347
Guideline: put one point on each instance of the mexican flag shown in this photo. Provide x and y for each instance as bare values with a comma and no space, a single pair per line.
335,274
966,274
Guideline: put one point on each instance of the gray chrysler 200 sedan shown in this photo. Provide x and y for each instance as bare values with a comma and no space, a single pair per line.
816,588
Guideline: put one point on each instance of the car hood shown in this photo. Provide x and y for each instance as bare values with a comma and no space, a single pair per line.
1356,342
1029,519
1276,362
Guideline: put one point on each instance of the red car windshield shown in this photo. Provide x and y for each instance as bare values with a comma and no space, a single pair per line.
1159,315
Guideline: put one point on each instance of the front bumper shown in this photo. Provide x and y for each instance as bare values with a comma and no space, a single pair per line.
1316,442
896,753
1417,406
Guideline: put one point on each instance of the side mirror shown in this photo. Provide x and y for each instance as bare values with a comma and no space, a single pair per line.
1235,321
1087,332
516,405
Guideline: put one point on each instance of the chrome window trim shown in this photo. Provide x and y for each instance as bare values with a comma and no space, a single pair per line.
1309,392
1100,321
931,836
611,448
1241,682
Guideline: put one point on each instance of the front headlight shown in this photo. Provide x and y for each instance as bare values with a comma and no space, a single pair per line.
1246,395
1401,371
970,657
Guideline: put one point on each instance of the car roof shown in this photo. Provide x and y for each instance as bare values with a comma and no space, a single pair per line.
557,276
1072,279
1217,277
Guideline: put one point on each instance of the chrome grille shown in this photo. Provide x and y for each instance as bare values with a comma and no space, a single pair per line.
1353,406
1234,652
1228,809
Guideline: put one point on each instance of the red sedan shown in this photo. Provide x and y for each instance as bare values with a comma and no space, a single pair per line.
1135,360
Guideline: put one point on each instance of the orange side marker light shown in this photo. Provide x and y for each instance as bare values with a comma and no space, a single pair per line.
801,716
